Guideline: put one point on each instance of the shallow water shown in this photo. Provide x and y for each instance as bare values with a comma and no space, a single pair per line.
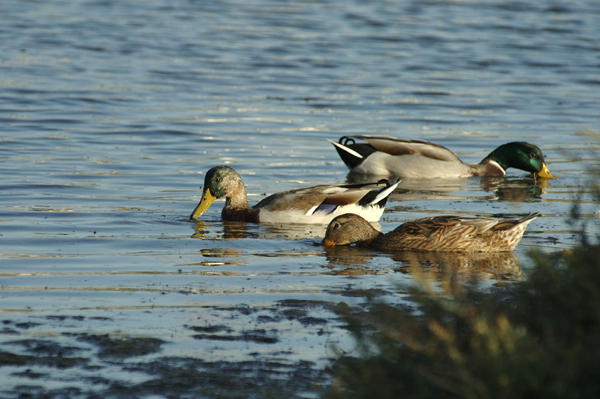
111,112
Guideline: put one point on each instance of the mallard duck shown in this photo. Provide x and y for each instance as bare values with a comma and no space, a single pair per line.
316,204
439,233
388,156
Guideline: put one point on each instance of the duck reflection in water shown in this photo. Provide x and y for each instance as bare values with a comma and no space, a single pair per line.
515,190
498,266
351,261
232,230
355,261
511,189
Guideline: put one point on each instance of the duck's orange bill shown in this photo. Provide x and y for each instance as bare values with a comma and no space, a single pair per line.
327,243
207,199
545,172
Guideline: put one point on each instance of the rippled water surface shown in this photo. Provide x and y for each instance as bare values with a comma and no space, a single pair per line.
111,113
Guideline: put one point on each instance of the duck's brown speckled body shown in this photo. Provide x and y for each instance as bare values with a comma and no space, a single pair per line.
439,233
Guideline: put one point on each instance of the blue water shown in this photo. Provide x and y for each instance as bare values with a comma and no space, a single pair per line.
111,112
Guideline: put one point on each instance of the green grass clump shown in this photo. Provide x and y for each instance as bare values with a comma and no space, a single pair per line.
538,339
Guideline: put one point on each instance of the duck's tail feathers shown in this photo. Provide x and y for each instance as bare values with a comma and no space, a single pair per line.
344,148
527,218
352,157
380,196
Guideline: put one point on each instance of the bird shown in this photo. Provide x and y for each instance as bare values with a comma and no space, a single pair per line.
437,233
389,156
309,205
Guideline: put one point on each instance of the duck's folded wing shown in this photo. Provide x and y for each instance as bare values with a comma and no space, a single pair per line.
363,197
441,233
394,146
442,225
451,224
328,197
361,194
301,199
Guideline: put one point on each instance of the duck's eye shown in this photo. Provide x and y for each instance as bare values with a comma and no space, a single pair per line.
336,226
219,179
533,155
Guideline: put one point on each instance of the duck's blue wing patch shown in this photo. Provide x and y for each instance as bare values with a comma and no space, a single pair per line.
327,208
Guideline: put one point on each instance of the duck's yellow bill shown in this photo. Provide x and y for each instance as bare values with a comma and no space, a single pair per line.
327,243
545,172
207,199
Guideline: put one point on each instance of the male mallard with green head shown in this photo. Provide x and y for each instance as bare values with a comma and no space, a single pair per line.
316,204
388,156
439,233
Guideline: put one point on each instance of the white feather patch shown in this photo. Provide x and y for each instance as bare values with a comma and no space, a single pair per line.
311,210
348,150
370,212
386,192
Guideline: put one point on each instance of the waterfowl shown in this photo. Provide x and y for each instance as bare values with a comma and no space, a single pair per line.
439,233
388,156
316,204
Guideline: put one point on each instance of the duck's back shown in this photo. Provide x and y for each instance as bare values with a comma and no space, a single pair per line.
455,234
439,233
394,146
409,159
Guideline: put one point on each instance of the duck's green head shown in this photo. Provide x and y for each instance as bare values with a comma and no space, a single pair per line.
219,182
521,155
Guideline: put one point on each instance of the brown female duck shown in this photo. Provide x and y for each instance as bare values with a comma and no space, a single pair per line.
439,233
